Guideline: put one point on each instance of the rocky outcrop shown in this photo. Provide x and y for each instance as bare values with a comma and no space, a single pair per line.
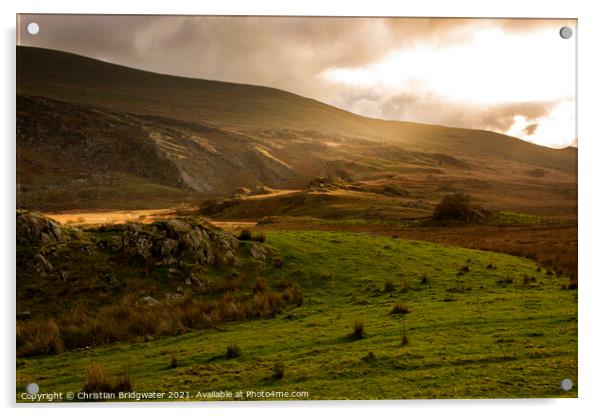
36,229
173,241
182,244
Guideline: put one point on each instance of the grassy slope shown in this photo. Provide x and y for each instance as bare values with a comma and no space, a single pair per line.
489,341
77,79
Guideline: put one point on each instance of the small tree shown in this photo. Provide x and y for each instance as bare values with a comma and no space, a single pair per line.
457,208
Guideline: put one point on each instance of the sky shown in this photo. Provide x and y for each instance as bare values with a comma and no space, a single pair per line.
513,76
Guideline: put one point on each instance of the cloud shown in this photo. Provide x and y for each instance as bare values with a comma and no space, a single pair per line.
293,53
530,129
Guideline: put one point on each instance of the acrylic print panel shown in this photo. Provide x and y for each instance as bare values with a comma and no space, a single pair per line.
294,208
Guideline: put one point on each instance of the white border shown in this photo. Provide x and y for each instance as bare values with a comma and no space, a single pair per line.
590,202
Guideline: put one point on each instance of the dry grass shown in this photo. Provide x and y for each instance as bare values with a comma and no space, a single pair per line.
389,286
358,329
399,308
99,380
38,337
278,371
129,320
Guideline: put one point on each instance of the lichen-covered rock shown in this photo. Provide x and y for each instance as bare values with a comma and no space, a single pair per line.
174,297
149,300
36,229
168,247
258,251
43,264
177,227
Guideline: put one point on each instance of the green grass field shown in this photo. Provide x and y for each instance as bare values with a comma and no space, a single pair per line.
481,325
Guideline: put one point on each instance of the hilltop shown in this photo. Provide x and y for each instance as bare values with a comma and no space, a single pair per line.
95,135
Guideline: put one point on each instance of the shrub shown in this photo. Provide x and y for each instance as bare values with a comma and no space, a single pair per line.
400,308
389,286
457,208
358,329
244,235
404,340
278,371
424,280
232,351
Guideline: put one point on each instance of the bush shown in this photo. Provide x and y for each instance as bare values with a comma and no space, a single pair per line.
389,286
358,329
244,235
457,208
232,351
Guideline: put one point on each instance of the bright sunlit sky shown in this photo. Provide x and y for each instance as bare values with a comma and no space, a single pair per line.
513,76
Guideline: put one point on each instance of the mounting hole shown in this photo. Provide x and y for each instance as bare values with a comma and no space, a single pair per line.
566,384
33,28
32,388
566,32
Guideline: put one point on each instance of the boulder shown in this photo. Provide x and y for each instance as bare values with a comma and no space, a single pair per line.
174,297
258,251
149,300
168,247
43,264
177,227
34,228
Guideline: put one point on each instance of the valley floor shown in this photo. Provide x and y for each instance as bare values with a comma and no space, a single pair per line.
480,325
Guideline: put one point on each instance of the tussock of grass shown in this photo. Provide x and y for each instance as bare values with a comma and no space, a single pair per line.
128,320
399,308
38,337
99,380
358,329
389,286
278,371
232,351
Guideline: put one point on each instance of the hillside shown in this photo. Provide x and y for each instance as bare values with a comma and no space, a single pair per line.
158,139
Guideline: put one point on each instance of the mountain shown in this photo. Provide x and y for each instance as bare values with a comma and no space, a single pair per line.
91,134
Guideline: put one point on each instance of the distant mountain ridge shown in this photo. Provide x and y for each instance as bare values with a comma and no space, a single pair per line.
211,137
